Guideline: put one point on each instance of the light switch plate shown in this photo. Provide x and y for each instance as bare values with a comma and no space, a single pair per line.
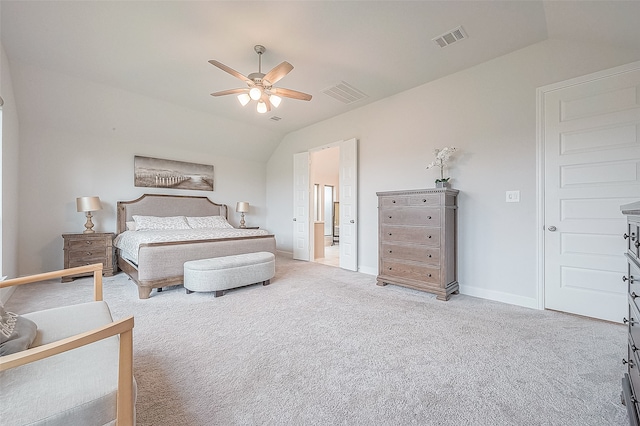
513,196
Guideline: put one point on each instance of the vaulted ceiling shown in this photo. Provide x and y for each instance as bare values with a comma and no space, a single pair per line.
161,49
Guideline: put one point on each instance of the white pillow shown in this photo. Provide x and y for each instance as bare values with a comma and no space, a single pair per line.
131,226
208,222
147,223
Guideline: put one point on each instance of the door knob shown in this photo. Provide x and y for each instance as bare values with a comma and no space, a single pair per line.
552,228
294,219
352,221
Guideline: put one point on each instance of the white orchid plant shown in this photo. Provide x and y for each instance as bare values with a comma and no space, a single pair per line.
442,159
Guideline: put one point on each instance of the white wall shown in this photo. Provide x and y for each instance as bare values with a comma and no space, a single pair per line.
489,113
9,175
79,138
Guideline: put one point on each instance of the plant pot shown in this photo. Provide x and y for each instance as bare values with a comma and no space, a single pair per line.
443,185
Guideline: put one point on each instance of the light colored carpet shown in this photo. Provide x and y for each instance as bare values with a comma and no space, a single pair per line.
325,346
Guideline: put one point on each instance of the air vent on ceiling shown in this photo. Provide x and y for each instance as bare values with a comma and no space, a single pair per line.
450,37
344,92
275,118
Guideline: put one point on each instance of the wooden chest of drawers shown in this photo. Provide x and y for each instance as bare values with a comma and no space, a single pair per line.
85,249
417,240
631,380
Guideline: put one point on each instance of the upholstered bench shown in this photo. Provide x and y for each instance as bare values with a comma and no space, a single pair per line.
223,273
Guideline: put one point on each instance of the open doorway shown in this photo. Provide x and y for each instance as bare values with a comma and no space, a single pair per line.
345,192
324,174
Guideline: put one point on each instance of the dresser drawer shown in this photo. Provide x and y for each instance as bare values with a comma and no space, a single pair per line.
633,324
633,239
418,253
410,234
394,201
412,271
411,216
424,200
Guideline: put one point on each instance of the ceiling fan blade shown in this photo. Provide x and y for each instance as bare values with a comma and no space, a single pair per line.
231,71
230,92
277,73
288,93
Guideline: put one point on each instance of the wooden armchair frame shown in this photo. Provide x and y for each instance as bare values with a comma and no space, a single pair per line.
123,328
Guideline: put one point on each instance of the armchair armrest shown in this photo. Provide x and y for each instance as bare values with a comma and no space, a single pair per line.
96,268
123,327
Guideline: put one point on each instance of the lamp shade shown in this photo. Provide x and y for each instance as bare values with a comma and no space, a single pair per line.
88,204
242,207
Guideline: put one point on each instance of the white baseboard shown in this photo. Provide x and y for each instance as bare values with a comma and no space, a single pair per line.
499,296
368,270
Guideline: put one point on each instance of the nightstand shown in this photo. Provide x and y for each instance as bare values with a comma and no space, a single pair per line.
85,249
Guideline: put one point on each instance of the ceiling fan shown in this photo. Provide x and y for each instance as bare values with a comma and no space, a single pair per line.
260,86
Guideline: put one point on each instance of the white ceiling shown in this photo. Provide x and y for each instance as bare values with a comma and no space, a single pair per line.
161,49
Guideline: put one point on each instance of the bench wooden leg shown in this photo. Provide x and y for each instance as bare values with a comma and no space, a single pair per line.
267,282
218,293
144,292
188,291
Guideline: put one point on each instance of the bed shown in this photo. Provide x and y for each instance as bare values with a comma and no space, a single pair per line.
154,258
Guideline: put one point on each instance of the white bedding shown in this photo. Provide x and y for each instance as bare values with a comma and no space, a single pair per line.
129,241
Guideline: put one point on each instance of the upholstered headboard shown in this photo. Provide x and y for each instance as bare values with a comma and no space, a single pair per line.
167,205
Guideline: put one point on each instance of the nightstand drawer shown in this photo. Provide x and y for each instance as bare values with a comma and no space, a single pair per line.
418,253
394,201
88,244
88,260
424,200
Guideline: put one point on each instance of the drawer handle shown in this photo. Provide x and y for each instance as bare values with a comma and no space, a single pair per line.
390,251
390,233
429,256
88,253
389,217
637,244
393,201
424,200
429,236
625,236
87,242
630,362
428,217
630,322
630,279
390,268
634,295
634,348
429,275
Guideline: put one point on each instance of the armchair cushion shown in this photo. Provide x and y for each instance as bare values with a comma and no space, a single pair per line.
16,333
92,368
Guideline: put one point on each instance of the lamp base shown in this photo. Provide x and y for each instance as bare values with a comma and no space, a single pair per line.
242,225
89,225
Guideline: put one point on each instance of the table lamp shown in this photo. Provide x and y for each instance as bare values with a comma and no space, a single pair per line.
242,207
88,205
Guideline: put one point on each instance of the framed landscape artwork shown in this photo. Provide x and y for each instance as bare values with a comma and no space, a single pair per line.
158,173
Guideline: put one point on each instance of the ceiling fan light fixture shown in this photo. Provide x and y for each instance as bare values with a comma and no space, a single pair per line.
255,93
244,99
262,107
275,100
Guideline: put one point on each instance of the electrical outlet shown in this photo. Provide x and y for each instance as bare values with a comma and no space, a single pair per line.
513,196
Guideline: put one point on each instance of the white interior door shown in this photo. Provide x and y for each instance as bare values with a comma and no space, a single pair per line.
301,211
591,140
349,204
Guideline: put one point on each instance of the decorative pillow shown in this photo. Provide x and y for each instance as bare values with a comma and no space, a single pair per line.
146,223
16,333
131,226
208,222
